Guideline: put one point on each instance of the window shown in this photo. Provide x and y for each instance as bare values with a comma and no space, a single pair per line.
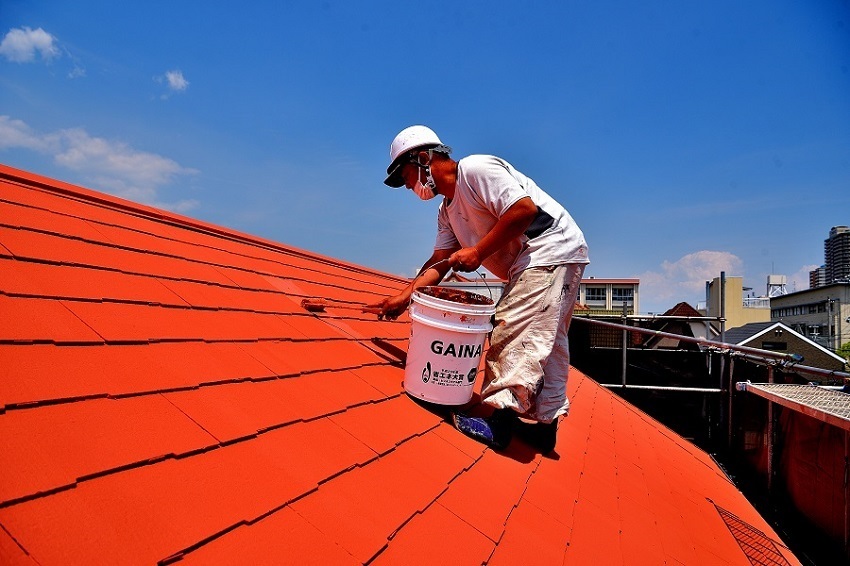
594,295
620,296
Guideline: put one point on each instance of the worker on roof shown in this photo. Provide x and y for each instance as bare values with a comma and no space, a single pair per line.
493,215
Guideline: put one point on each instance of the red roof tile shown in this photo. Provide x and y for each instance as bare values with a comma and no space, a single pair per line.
261,544
485,495
437,536
76,440
42,320
164,397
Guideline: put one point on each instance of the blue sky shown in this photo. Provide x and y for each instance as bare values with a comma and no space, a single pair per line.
684,137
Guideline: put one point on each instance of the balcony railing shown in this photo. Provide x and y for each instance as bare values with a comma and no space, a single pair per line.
756,303
749,303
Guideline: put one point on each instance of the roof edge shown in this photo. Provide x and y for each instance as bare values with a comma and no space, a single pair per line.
88,195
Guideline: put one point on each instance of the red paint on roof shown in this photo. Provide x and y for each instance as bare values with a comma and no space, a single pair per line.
164,398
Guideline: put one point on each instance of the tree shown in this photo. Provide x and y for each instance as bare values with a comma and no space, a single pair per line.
844,351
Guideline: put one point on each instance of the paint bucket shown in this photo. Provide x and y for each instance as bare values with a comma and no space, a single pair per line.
447,335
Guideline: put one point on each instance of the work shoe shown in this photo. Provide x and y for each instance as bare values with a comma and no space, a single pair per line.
495,431
539,435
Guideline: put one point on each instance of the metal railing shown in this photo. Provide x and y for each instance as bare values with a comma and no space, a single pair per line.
756,303
747,303
757,355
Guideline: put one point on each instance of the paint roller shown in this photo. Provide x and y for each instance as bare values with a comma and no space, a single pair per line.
319,304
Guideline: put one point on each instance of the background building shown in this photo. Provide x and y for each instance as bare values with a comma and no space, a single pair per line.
821,314
817,277
596,296
779,337
836,252
737,309
607,296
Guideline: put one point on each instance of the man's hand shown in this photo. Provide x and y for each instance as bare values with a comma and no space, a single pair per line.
391,307
432,273
466,259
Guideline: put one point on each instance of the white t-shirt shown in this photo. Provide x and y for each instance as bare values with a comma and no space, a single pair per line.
486,187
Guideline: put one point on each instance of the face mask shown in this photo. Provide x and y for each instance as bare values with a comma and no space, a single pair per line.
425,192
429,189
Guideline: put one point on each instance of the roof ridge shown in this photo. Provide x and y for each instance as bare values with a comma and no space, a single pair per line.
81,194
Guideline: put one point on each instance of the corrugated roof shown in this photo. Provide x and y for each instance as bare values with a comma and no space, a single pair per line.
165,398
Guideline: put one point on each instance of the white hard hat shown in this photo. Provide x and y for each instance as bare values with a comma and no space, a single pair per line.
413,137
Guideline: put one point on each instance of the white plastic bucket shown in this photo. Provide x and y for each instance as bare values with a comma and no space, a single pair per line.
446,340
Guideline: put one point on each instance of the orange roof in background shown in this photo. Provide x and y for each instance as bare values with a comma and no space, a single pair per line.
164,397
682,309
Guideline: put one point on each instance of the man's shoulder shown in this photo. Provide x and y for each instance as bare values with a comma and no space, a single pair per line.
475,168
480,160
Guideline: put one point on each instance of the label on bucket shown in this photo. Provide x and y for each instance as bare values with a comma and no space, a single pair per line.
445,370
448,377
456,350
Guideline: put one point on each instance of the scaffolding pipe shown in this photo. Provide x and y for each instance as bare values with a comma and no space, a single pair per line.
624,365
790,358
800,368
724,384
662,388
672,317
729,410
723,306
771,431
846,491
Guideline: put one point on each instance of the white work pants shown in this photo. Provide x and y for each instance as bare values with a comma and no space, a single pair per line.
529,356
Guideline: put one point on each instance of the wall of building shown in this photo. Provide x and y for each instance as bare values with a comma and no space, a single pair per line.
808,486
778,340
821,314
606,296
738,310
836,252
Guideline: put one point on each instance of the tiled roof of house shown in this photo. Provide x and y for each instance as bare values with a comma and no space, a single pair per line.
682,309
745,333
165,398
748,333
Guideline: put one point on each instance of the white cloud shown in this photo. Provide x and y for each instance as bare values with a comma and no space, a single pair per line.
176,81
684,279
15,133
21,45
110,165
76,72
